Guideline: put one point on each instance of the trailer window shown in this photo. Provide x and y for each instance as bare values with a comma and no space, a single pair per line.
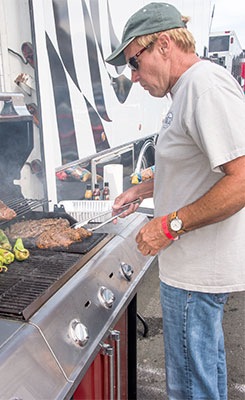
219,43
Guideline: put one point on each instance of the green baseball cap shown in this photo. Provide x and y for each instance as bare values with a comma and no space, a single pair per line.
152,18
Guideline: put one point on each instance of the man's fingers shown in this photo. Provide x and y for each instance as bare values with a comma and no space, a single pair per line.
143,249
138,237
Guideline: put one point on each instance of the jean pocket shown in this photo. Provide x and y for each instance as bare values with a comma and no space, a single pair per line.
220,298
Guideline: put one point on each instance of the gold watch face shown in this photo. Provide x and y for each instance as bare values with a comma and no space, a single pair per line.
176,225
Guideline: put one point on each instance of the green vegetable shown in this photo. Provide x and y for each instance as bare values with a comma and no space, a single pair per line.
4,242
20,252
3,268
7,256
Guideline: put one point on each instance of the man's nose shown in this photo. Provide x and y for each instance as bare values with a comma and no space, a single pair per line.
134,76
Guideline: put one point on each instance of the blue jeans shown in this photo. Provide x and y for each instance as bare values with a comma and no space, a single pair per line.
194,344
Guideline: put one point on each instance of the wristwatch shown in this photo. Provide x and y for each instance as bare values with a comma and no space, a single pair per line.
175,223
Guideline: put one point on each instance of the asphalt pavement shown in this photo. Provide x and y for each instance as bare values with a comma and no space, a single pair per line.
150,353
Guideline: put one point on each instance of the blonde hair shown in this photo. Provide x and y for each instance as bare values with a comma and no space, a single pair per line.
183,39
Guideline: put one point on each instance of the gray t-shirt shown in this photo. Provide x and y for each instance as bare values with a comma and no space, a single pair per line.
204,128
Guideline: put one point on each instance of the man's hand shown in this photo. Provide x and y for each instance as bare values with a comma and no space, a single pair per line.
141,192
151,238
121,200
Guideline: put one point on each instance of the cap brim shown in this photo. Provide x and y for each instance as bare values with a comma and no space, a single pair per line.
117,57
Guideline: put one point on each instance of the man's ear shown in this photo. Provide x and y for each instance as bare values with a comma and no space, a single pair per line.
164,42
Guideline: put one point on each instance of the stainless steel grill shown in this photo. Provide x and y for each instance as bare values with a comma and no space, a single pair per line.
46,337
59,307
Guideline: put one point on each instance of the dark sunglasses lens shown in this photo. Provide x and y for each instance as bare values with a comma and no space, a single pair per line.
132,63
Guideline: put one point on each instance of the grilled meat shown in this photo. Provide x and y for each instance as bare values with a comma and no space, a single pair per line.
6,213
50,232
33,228
56,238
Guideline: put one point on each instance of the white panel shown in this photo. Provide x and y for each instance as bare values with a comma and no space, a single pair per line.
49,124
84,135
80,52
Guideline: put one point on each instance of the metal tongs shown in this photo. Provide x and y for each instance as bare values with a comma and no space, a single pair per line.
89,220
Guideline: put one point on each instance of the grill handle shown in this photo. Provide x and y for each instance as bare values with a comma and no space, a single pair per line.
109,351
115,335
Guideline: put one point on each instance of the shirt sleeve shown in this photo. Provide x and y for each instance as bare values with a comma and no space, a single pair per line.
219,119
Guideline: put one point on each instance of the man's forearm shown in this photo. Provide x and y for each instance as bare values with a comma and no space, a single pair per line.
223,200
142,191
145,189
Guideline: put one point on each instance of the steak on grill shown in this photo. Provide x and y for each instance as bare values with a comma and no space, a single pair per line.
56,238
50,232
6,213
33,228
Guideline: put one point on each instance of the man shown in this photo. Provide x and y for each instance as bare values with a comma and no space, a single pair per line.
199,195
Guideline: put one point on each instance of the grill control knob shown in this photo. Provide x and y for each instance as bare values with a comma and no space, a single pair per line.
78,332
126,271
106,297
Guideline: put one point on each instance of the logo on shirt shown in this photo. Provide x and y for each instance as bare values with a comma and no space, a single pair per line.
168,120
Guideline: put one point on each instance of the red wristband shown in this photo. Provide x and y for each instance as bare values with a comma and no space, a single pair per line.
165,229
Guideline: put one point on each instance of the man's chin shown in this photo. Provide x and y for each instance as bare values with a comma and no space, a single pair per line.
155,93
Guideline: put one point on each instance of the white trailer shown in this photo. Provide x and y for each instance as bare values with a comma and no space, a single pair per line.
87,112
225,49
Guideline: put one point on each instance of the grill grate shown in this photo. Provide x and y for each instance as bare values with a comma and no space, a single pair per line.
28,284
28,281
19,296
23,206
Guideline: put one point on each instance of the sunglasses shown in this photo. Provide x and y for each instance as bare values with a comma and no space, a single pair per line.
132,61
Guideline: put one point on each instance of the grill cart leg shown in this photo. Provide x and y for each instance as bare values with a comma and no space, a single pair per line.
132,349
146,328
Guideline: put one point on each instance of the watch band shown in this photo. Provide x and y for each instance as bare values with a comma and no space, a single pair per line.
173,216
165,229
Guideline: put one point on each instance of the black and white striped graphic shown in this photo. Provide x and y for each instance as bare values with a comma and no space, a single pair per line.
76,72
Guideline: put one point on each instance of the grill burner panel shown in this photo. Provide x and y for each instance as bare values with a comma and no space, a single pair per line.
28,284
